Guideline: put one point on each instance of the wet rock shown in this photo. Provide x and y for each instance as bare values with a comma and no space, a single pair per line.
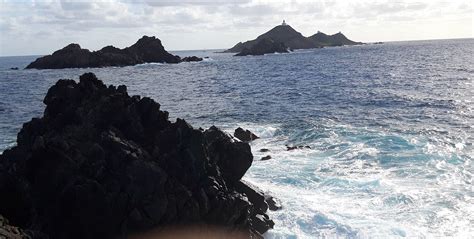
289,148
273,203
258,198
14,68
102,164
244,135
264,150
191,58
234,158
266,158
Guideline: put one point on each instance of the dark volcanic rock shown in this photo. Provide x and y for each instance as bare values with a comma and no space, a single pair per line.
294,40
268,157
337,39
191,58
145,50
102,164
264,46
273,203
10,232
244,135
289,148
14,68
280,34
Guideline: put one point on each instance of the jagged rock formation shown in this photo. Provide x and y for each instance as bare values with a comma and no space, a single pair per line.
103,164
294,40
244,135
337,39
279,34
264,46
145,50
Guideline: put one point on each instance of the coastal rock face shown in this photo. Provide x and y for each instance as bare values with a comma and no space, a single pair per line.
145,50
294,40
102,164
264,46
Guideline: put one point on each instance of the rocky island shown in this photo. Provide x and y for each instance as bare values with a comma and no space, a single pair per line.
145,50
264,46
284,34
103,164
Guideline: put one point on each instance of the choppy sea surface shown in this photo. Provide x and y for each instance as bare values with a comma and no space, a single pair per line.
391,129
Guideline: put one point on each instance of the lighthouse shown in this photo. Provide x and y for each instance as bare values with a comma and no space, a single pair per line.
283,23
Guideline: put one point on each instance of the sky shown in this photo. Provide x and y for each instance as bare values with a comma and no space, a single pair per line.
29,27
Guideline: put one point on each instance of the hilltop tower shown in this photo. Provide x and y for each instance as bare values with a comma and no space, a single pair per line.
283,23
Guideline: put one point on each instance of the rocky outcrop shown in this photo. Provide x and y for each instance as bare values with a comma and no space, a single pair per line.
289,148
294,40
103,164
264,46
145,50
268,157
244,135
191,58
337,39
280,34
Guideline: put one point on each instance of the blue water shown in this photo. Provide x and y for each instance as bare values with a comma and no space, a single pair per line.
391,129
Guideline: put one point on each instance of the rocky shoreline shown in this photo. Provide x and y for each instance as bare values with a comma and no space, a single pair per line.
145,50
103,164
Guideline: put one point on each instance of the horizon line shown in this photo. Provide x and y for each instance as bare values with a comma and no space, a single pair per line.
213,49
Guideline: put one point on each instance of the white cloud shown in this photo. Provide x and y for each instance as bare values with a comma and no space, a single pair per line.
219,23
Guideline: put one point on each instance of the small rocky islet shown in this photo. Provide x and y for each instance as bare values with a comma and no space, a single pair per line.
145,50
102,164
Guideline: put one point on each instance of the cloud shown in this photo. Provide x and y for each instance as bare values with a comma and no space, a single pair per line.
58,21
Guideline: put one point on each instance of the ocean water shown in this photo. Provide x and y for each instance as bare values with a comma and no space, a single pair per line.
391,129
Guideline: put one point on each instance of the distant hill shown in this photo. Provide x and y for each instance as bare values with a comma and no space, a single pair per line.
337,39
145,50
293,39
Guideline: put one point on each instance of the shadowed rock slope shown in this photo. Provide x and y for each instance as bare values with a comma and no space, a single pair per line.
337,39
294,40
145,50
103,164
264,46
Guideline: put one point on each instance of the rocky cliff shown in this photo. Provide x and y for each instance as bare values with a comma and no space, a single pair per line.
103,164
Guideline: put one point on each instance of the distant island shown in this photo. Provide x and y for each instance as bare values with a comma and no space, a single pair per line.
285,35
145,50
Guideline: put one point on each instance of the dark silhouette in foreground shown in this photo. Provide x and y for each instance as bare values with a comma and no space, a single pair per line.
103,164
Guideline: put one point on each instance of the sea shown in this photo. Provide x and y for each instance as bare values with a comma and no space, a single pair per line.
390,129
